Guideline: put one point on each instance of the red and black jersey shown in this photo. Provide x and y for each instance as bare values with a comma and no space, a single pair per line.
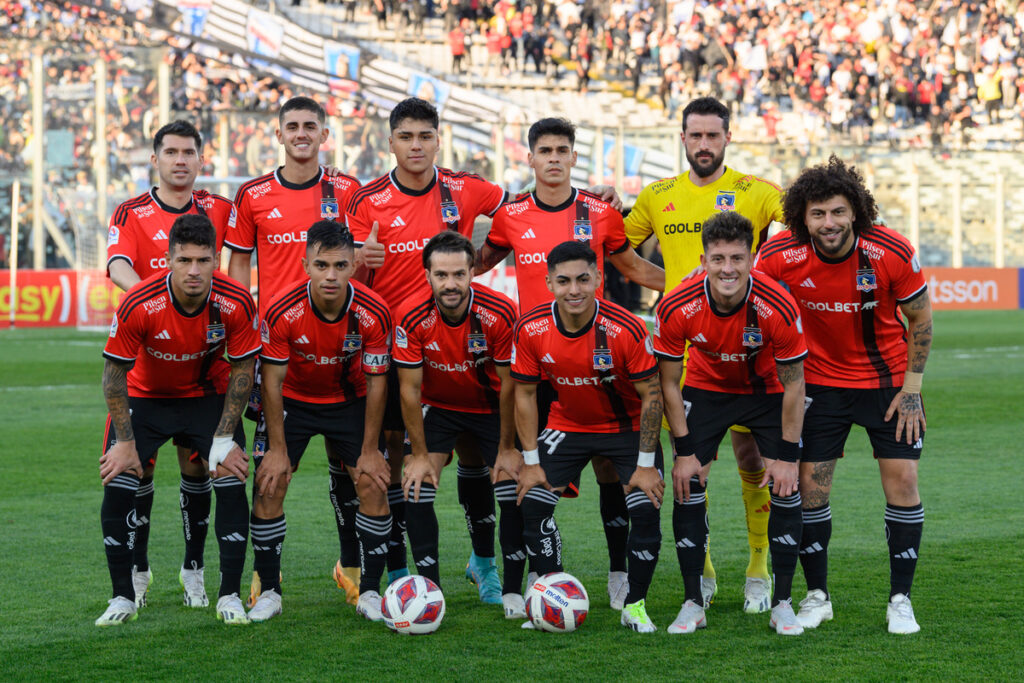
458,359
140,228
733,351
592,370
531,229
179,354
407,219
272,216
327,359
855,334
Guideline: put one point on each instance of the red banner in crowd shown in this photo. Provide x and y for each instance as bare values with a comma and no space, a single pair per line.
54,298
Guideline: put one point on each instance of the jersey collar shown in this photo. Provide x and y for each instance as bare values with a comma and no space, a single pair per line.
177,306
408,190
736,309
580,332
841,259
167,207
465,313
300,186
349,296
555,209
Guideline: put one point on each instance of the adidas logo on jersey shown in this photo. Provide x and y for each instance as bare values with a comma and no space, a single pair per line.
164,335
669,207
434,346
529,234
276,213
547,358
160,235
808,284
700,338
398,222
302,340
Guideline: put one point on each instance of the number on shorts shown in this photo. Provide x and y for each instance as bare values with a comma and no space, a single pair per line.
551,437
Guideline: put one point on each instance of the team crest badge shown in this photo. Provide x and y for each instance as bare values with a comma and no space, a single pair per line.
725,201
352,343
603,359
582,231
752,337
329,209
866,280
477,343
214,333
450,212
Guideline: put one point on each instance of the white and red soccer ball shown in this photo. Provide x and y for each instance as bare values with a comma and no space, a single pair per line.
413,605
557,602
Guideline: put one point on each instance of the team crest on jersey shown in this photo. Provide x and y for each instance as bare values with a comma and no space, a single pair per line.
866,280
401,338
449,212
352,343
477,343
215,333
582,231
725,201
603,359
752,337
113,236
329,209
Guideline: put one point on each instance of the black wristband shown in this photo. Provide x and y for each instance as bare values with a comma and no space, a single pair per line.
789,451
683,445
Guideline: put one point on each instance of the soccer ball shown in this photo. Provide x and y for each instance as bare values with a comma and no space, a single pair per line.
413,605
557,602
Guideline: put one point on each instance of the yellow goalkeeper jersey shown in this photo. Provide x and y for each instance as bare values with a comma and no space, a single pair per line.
673,209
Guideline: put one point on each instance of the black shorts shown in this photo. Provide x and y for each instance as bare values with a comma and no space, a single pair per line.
190,422
710,414
341,424
830,413
563,455
393,421
442,427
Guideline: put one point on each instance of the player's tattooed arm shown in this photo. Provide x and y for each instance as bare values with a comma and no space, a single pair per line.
487,257
115,391
918,313
651,410
240,382
791,375
906,405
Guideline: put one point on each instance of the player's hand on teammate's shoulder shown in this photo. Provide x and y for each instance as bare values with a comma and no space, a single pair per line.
374,465
685,468
608,194
372,252
531,476
784,476
510,461
274,469
416,471
648,480
120,458
333,171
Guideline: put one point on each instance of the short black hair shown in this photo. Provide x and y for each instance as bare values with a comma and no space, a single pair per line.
416,109
551,126
192,228
705,106
822,182
571,250
449,242
327,235
302,103
727,226
179,127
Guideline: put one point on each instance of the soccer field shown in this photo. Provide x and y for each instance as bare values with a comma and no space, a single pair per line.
54,581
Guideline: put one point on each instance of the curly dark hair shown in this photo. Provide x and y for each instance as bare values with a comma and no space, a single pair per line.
824,181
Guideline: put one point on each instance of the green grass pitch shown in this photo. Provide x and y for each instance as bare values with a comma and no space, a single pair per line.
53,578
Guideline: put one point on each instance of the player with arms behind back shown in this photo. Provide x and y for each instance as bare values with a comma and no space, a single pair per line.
597,355
165,376
673,210
745,367
854,281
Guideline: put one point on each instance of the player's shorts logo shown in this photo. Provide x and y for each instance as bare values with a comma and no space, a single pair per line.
329,208
603,359
866,280
352,343
449,212
582,231
477,343
725,201
752,337
214,333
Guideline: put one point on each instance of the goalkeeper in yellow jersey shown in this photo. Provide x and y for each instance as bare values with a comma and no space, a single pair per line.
673,210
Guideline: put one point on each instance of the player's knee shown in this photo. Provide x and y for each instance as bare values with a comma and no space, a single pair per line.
899,480
748,457
372,501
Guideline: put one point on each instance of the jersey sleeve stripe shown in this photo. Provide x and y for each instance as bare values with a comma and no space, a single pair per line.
407,364
794,359
121,213
774,246
119,359
273,361
785,308
668,356
913,296
889,241
372,187
119,256
530,379
417,315
244,187
129,303
538,312
634,326
644,374
501,202
244,356
234,247
497,305
677,300
278,308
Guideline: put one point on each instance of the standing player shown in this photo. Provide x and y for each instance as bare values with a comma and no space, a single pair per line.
273,213
532,225
392,219
673,210
743,330
453,349
175,328
853,278
137,248
598,357
324,365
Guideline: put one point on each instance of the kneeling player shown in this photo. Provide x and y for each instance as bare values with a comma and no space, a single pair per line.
744,330
597,355
453,350
165,377
324,372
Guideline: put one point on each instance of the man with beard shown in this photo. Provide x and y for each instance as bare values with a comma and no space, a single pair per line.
673,210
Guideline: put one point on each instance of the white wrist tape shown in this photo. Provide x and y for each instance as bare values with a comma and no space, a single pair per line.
219,450
645,459
531,457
